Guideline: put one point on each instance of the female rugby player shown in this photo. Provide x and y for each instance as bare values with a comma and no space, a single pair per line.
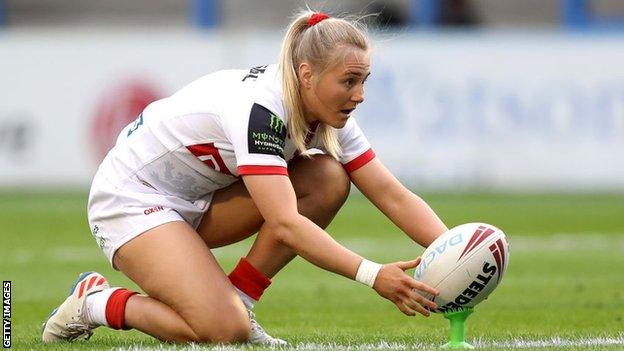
223,158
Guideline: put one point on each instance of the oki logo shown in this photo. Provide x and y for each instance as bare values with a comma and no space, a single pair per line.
153,209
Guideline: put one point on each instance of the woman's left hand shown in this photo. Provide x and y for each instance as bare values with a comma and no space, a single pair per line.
393,284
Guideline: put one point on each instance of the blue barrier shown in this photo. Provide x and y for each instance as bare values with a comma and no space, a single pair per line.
577,14
424,13
2,13
204,13
574,13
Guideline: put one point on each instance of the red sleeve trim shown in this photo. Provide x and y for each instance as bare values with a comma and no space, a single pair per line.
251,170
359,161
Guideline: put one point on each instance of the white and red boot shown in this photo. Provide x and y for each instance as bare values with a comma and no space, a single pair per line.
250,285
91,303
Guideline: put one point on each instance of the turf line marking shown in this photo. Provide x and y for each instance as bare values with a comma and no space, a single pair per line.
552,342
403,246
519,343
398,246
531,244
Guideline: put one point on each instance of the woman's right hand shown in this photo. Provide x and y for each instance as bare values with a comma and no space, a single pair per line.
396,286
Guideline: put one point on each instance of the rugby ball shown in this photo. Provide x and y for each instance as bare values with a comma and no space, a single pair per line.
464,264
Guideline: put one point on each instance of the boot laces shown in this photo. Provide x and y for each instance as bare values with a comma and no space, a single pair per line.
259,336
255,326
80,328
76,331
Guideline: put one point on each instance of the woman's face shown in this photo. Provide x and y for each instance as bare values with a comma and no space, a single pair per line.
331,96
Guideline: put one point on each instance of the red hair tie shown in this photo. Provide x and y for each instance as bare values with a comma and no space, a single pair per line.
316,18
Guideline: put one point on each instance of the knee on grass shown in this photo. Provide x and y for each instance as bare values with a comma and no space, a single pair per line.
234,328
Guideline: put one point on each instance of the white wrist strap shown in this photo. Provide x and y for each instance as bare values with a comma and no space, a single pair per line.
367,272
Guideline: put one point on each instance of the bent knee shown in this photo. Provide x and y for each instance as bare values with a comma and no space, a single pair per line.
322,177
229,328
224,333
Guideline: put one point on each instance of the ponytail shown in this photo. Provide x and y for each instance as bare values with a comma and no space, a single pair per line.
312,37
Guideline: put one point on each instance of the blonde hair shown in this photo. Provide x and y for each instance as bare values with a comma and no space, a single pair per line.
314,44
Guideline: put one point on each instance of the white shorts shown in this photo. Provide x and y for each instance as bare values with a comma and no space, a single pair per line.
118,214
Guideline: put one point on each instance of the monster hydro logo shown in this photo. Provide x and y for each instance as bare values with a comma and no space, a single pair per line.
266,132
276,124
117,107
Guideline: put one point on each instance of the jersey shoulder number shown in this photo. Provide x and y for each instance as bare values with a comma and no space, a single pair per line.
137,123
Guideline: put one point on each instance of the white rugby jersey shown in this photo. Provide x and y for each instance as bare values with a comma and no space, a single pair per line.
217,128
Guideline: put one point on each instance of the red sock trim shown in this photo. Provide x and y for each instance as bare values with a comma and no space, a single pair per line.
249,280
116,308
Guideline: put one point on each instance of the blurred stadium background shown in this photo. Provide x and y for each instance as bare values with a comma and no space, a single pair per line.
510,112
505,95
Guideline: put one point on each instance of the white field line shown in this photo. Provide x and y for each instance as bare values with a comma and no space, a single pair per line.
399,246
530,244
520,343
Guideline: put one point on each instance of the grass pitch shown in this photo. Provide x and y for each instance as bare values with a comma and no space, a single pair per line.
564,288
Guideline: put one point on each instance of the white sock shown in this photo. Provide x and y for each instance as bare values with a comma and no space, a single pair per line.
96,307
247,300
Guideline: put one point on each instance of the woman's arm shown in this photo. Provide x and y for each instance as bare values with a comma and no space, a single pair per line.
405,209
275,198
